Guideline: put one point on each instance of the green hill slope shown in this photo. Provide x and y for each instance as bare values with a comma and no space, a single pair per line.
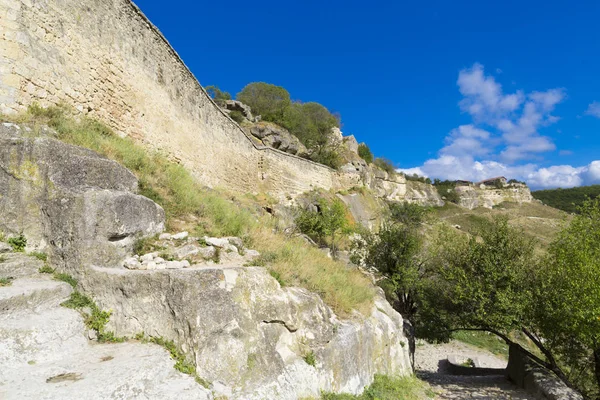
567,199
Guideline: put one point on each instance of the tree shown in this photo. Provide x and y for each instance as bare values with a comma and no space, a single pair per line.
324,222
265,99
567,301
218,96
365,153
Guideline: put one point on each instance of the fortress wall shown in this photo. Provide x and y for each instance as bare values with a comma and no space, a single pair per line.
104,58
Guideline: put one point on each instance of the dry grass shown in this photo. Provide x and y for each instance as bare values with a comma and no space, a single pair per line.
192,207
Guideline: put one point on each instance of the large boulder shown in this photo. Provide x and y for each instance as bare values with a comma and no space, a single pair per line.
234,105
69,201
279,138
248,336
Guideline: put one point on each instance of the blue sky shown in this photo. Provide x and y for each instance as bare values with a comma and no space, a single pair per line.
448,89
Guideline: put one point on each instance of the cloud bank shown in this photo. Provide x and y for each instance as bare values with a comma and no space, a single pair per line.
503,135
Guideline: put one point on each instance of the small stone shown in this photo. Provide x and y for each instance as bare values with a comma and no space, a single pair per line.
207,252
164,236
151,265
180,236
159,260
149,257
92,335
251,254
217,242
131,263
236,241
186,251
229,248
185,264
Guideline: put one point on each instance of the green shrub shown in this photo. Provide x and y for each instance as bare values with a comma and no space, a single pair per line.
18,243
385,165
325,223
310,358
218,96
237,116
265,99
365,153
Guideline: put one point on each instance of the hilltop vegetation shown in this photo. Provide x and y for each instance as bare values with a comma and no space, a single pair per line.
568,200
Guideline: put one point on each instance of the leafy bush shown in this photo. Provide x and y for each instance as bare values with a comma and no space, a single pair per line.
417,178
568,200
447,190
237,116
323,222
365,153
267,100
218,96
18,243
310,358
385,165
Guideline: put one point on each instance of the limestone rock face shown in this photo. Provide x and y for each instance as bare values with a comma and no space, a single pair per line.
248,336
423,193
472,197
80,207
278,138
234,105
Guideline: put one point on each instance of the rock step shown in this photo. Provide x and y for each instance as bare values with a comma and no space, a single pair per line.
33,294
40,337
102,371
18,265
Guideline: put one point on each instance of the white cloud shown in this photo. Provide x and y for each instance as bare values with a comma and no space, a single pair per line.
593,109
504,132
452,168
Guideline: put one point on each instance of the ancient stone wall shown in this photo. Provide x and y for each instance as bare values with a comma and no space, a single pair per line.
104,58
479,196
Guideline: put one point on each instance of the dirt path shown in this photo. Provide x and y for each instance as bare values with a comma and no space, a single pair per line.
429,360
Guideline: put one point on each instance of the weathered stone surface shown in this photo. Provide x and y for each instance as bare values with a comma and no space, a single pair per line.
234,105
481,196
79,206
247,333
5,248
422,193
278,138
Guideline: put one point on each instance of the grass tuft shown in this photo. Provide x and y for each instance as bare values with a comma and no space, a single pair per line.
389,388
39,255
46,269
6,281
59,276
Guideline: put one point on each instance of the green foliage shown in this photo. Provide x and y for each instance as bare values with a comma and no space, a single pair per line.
388,388
386,165
218,96
18,243
6,281
46,269
324,223
277,277
39,255
59,276
237,116
568,200
447,190
365,153
2,236
2,258
513,181
310,358
267,100
482,283
96,319
181,364
567,298
408,214
417,178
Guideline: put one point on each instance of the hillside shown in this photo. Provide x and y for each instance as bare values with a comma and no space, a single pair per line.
567,199
537,220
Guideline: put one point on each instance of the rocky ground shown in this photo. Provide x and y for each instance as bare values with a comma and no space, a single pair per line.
45,352
430,361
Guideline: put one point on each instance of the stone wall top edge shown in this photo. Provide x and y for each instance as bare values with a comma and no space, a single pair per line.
157,31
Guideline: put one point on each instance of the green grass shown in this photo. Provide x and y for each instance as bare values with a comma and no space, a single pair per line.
39,255
18,243
310,358
389,388
66,278
483,340
194,208
46,269
6,281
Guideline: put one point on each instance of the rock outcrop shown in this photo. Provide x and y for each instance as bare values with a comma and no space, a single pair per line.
79,206
278,138
234,105
249,337
472,196
45,354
